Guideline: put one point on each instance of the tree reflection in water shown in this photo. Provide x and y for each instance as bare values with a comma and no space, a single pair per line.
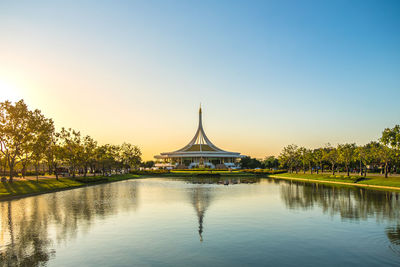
393,233
30,225
353,204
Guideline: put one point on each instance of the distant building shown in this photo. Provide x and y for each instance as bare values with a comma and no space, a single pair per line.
199,153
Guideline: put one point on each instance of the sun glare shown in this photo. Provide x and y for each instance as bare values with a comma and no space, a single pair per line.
9,92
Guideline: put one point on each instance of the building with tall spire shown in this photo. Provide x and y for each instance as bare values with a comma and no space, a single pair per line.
200,152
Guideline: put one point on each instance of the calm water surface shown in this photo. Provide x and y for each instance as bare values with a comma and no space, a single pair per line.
177,222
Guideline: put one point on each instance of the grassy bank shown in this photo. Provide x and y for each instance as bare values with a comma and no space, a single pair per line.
20,188
378,182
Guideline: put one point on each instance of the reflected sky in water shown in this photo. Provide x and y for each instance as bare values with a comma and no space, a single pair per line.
176,222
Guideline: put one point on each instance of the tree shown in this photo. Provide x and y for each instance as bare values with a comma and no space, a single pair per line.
391,138
106,157
310,159
250,163
72,149
361,154
3,163
384,154
332,156
346,153
89,154
306,158
289,157
14,131
54,153
270,162
42,129
131,155
391,146
319,158
148,164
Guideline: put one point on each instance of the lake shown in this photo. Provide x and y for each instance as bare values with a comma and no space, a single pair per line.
189,222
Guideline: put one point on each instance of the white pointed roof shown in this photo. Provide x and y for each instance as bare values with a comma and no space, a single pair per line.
200,146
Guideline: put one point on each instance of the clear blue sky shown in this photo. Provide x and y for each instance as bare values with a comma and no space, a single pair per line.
268,73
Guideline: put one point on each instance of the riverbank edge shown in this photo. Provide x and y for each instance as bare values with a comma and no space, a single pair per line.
134,176
19,196
379,187
238,175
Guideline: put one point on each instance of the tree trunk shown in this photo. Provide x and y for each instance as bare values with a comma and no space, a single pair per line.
348,170
11,173
37,174
5,167
50,168
365,171
23,170
333,169
386,170
361,172
11,163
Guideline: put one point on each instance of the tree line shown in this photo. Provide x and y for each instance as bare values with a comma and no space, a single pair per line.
29,139
270,162
382,156
378,155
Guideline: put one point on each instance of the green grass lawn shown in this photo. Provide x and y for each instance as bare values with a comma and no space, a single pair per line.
370,180
24,187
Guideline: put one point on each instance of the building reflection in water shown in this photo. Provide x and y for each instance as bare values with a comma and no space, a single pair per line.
29,226
202,195
201,199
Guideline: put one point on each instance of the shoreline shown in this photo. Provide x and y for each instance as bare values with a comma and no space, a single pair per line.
23,195
118,178
380,187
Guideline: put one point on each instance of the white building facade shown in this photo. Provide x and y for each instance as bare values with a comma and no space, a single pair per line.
199,153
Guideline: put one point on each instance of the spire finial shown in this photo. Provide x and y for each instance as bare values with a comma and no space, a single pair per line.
200,108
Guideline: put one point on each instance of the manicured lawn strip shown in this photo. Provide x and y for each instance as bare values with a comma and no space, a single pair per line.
31,187
352,180
382,181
